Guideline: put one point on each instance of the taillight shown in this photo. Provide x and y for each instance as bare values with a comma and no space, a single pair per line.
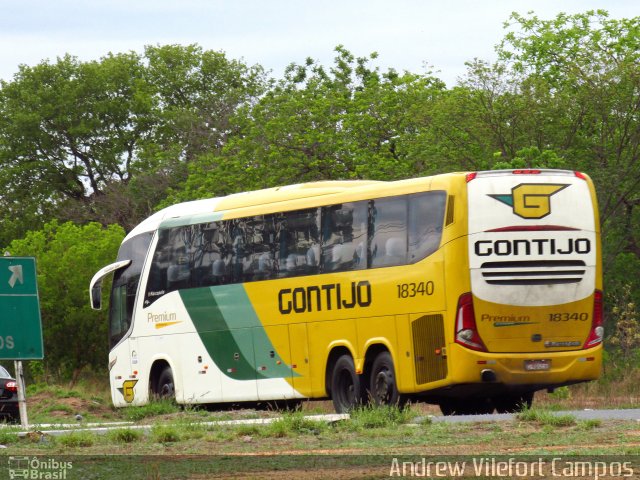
597,324
471,176
527,171
466,331
580,175
11,387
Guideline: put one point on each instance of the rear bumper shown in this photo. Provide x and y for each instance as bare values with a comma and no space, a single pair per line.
486,374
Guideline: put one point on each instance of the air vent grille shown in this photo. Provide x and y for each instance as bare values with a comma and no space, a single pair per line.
543,272
428,345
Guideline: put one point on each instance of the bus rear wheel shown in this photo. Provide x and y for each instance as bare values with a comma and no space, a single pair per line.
345,385
164,388
383,389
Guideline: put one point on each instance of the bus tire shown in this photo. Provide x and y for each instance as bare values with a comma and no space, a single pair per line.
165,389
345,385
383,389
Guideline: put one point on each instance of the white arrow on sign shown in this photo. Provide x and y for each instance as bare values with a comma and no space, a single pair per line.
16,275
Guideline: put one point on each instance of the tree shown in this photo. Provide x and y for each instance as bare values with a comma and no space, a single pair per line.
589,66
564,92
67,256
348,122
77,137
197,93
68,130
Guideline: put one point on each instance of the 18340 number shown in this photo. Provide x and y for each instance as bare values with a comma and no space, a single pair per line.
410,290
566,316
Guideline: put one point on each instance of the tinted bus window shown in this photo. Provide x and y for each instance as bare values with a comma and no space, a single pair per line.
344,237
257,254
125,286
298,240
190,256
426,215
388,244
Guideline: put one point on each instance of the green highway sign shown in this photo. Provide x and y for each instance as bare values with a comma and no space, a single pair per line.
20,324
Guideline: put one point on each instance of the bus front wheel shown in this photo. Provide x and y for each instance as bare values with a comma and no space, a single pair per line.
164,387
345,385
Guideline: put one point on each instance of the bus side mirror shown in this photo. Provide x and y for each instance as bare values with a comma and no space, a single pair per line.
95,287
96,296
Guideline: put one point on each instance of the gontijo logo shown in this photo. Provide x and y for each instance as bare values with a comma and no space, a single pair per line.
530,200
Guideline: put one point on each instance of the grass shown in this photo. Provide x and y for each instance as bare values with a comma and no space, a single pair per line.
125,435
298,446
380,417
178,447
152,409
293,424
79,439
90,398
165,433
546,418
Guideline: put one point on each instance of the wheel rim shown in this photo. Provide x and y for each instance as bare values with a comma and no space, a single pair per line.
166,390
383,386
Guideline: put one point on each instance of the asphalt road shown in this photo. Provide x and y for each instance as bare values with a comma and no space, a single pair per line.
628,414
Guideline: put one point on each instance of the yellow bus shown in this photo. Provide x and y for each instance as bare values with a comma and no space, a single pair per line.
467,290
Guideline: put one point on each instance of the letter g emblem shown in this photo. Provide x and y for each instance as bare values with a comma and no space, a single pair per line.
531,200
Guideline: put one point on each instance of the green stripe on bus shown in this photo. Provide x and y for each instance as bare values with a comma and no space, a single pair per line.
227,351
213,310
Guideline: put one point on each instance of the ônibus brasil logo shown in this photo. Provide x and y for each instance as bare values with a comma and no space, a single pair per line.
530,200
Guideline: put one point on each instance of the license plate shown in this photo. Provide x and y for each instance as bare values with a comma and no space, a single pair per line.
537,365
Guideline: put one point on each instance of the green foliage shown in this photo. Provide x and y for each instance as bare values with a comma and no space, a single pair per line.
8,437
562,393
589,424
165,434
292,424
79,439
103,140
112,140
37,371
151,409
124,435
382,416
68,129
530,157
546,418
346,123
67,256
625,339
583,69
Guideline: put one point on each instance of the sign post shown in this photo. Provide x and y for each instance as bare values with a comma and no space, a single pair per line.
20,322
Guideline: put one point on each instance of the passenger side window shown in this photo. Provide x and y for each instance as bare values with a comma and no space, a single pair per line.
298,240
426,216
349,236
344,237
258,252
388,245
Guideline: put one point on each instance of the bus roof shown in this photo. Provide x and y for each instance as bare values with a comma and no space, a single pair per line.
248,199
276,198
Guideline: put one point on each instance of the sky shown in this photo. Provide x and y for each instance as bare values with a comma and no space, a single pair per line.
413,35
